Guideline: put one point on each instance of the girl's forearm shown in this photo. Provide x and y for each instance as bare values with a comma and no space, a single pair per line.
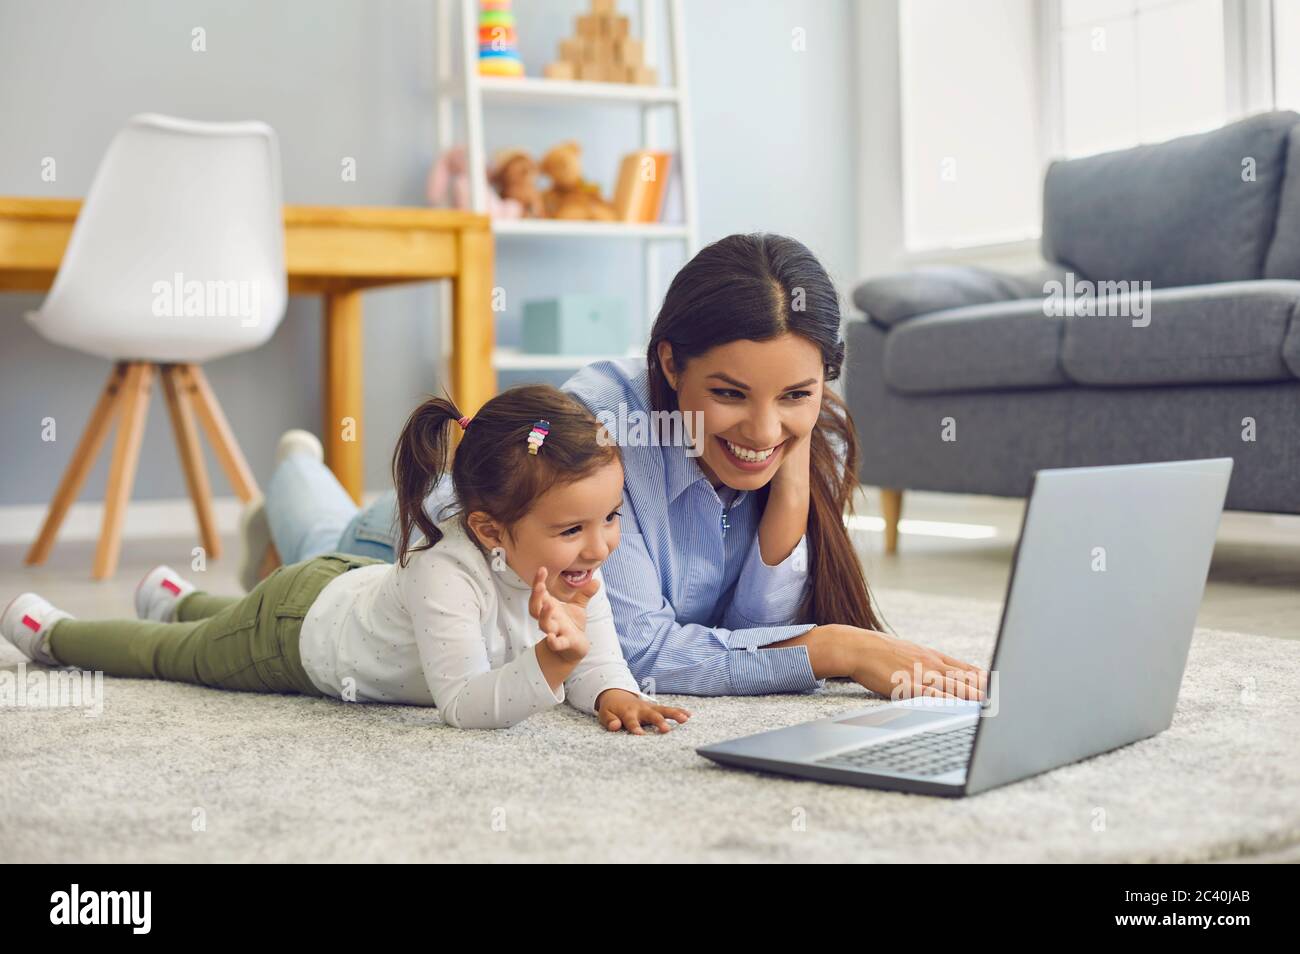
554,668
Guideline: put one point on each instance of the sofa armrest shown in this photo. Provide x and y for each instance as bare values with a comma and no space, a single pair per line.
890,299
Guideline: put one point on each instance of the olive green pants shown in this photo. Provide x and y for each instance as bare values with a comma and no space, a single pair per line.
247,643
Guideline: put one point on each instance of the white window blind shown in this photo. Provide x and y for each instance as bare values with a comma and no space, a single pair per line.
1135,71
970,157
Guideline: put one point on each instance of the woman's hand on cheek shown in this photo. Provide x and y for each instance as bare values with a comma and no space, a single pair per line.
794,472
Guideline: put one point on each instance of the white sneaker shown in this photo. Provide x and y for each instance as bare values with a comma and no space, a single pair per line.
298,441
158,593
254,540
27,621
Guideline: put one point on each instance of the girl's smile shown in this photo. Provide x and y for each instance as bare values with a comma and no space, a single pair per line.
575,579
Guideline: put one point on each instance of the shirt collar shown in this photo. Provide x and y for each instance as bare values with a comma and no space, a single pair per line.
684,471
508,577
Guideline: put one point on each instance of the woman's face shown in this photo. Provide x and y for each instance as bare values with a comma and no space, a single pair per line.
756,397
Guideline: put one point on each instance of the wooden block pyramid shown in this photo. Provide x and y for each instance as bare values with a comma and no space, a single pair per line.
498,52
602,50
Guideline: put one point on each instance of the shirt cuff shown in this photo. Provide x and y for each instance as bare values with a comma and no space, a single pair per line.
765,671
756,637
618,681
542,690
770,595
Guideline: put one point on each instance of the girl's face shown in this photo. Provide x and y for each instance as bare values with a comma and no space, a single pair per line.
756,397
571,530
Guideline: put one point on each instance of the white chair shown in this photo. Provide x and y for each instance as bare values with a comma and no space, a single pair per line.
176,258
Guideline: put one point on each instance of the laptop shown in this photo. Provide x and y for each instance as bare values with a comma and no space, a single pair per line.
1107,579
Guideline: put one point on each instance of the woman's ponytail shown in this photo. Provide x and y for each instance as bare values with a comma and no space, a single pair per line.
839,593
419,462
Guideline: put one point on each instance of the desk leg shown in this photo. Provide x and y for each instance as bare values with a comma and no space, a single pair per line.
343,395
472,332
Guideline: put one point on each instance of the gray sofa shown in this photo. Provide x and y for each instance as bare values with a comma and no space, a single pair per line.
968,380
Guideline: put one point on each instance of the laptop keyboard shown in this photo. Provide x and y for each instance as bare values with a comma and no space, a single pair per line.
925,753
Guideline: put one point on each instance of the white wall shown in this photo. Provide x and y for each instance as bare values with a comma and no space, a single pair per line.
774,130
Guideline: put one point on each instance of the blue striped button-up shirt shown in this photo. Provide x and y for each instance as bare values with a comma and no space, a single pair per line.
694,603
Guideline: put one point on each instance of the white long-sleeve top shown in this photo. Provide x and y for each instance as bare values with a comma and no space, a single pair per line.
447,630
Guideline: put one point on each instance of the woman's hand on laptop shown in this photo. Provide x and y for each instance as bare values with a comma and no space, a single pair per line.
887,665
899,669
890,666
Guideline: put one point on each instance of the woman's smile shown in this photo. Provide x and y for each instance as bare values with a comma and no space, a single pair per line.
749,459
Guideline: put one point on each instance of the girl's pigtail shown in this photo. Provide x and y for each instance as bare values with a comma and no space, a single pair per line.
419,462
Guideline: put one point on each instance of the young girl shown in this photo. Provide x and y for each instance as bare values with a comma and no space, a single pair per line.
498,613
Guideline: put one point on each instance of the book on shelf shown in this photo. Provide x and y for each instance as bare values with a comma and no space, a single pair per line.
642,184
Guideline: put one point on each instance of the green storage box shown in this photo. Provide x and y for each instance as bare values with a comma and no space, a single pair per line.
576,324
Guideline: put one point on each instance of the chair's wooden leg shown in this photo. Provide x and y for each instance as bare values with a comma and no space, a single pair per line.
134,406
83,459
214,422
191,454
343,396
891,506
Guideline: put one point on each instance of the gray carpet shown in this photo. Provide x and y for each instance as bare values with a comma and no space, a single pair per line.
296,779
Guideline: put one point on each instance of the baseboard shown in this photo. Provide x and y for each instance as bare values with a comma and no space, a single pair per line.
144,519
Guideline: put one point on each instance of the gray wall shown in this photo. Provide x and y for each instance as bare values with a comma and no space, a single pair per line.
774,135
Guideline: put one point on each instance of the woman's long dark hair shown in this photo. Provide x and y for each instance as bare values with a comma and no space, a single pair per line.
759,287
492,470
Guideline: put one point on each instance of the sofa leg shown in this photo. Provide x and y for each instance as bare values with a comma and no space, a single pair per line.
891,507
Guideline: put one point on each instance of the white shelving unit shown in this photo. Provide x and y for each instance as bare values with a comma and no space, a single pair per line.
476,92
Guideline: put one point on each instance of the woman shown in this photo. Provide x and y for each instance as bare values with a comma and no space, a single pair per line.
736,574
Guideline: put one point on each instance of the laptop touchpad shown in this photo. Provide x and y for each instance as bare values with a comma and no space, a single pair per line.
894,718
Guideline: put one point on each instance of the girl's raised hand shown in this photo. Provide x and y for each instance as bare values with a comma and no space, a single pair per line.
565,635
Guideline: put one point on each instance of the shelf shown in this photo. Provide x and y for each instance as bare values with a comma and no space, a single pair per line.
531,89
573,228
510,359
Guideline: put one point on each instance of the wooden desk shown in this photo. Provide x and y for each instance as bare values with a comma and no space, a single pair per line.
334,252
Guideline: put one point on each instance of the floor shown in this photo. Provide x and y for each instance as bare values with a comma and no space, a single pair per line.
1254,583
1254,587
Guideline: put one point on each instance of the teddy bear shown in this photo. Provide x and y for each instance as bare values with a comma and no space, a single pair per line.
513,175
570,196
448,187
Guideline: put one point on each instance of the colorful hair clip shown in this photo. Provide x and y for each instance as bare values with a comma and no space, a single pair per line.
537,435
463,421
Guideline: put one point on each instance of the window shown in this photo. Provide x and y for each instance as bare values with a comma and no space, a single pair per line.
1134,71
1286,53
991,91
968,87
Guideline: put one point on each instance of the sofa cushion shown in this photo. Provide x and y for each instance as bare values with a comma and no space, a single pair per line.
1219,334
889,299
1284,254
1172,213
1291,346
982,347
